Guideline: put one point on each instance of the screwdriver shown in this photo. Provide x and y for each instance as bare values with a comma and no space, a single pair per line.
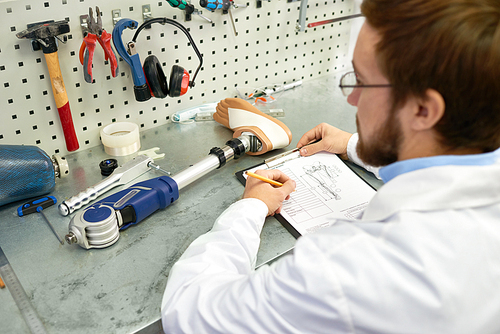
215,4
37,206
181,4
225,5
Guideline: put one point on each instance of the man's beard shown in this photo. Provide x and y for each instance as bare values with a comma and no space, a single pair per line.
383,149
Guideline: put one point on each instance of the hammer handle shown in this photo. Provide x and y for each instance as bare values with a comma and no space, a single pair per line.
61,99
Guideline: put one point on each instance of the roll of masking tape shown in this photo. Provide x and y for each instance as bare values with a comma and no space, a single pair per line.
121,138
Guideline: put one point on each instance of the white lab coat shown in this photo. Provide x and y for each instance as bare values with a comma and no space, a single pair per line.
425,258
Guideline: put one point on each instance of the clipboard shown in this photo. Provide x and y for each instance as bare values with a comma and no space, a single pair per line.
322,187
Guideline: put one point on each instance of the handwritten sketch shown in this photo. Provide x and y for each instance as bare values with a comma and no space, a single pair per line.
323,179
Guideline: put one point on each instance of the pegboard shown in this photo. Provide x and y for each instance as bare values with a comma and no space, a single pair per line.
267,50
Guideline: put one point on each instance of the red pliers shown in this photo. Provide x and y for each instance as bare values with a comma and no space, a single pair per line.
94,32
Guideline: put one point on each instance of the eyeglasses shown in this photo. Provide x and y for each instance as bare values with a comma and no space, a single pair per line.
349,81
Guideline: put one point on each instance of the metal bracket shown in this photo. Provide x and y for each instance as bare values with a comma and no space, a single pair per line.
235,5
84,23
116,14
146,14
275,113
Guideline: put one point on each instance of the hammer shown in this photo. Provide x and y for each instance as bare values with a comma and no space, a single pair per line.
45,34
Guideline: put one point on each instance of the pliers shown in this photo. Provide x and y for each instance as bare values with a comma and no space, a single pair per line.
93,32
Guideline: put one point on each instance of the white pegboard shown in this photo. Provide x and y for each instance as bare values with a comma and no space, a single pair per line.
267,50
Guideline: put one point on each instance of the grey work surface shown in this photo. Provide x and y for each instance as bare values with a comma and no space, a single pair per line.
119,289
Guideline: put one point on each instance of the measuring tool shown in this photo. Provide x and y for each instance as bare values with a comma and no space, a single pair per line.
19,295
37,206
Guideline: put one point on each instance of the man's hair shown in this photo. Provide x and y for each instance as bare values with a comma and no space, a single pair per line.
452,46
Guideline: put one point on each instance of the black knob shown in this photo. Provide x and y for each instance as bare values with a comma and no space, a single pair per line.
107,166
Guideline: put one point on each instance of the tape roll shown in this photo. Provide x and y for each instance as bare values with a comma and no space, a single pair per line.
121,138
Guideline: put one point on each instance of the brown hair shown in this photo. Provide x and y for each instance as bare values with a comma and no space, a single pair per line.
452,46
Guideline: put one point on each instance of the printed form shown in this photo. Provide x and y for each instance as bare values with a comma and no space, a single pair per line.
327,190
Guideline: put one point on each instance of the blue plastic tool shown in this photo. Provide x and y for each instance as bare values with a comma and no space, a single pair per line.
37,206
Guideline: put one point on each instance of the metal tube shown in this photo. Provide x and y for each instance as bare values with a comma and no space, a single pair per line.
196,171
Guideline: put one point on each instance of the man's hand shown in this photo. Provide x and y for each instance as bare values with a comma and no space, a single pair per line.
272,196
332,140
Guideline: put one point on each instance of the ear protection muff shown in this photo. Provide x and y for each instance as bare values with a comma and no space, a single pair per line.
155,77
179,81
151,80
157,81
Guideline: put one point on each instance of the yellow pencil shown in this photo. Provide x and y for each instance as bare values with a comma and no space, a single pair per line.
265,179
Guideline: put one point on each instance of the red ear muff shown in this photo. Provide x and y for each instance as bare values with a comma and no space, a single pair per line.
155,77
179,81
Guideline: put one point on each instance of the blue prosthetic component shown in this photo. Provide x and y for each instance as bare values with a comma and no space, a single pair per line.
136,202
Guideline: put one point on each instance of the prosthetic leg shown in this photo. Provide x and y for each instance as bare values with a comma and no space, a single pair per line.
99,224
242,117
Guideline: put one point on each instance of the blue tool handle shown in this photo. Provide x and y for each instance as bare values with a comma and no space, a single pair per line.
137,202
132,60
36,205
211,4
182,4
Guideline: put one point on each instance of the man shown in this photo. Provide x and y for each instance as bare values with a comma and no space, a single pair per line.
425,257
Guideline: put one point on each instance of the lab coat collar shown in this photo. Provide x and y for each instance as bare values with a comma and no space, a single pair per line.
448,187
400,167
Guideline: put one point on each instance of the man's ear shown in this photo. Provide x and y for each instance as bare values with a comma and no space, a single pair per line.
430,111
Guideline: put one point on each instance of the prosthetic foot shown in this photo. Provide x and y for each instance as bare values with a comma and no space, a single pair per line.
240,116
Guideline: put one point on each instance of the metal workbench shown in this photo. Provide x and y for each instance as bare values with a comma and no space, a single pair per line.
119,289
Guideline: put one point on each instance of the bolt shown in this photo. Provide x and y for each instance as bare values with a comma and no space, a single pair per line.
71,238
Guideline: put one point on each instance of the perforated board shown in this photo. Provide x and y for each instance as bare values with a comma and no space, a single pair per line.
267,50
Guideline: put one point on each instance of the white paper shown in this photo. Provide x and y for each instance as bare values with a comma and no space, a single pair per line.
326,190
